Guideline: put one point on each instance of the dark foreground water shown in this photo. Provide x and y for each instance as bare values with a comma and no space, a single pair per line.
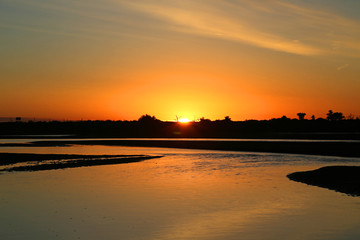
187,194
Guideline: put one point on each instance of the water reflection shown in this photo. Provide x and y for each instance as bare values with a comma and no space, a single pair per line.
188,194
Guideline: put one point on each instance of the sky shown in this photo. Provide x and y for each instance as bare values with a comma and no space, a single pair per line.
120,59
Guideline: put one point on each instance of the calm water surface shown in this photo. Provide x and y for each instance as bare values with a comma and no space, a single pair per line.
187,194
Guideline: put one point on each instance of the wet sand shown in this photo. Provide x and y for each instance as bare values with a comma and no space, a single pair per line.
38,162
344,179
330,148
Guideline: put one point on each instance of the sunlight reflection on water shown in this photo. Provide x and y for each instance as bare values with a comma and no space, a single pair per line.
187,194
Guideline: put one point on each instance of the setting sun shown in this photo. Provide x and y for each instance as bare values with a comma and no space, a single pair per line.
184,120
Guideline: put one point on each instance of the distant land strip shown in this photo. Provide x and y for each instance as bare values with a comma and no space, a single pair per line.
333,148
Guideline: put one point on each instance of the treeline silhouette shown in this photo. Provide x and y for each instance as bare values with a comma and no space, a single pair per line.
335,126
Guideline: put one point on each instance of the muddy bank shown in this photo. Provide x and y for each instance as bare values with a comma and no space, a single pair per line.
12,158
344,179
38,162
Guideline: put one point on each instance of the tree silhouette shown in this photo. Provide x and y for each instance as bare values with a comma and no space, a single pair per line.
329,115
301,115
227,119
148,119
334,116
204,120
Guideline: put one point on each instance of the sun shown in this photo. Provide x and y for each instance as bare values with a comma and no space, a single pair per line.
184,120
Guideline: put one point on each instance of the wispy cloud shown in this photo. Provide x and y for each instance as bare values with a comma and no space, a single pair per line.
278,25
275,25
342,67
217,24
89,19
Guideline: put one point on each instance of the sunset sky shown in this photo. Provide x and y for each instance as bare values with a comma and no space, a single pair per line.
119,59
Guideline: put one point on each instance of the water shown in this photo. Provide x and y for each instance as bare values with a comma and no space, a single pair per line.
187,194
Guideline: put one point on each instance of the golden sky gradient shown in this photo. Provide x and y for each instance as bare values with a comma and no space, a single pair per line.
119,59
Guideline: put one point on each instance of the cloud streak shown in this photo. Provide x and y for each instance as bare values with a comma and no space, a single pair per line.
274,25
342,67
277,25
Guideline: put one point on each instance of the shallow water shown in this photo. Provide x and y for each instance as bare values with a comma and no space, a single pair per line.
187,194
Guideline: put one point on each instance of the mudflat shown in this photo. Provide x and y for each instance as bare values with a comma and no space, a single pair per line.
345,179
37,162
